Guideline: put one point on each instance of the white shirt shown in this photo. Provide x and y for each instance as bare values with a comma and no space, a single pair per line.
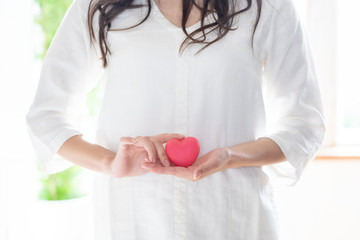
223,96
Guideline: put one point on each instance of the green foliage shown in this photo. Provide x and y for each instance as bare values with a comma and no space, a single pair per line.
63,185
52,12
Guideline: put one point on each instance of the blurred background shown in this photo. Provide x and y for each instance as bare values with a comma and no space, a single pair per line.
325,204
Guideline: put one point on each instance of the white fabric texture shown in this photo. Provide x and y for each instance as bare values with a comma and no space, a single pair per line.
223,96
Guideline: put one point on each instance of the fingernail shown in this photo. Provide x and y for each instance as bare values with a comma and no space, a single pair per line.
144,166
197,175
147,160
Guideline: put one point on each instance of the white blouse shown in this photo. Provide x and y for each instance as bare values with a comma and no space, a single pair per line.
223,96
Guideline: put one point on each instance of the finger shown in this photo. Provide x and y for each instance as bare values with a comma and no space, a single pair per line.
176,171
124,141
163,138
157,168
148,165
201,160
161,154
148,146
127,140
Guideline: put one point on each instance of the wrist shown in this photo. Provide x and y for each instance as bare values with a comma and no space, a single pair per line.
107,164
233,160
226,156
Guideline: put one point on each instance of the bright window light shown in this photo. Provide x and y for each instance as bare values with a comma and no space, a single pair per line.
348,127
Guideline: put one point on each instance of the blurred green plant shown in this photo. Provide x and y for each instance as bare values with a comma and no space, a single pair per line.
51,14
62,185
65,184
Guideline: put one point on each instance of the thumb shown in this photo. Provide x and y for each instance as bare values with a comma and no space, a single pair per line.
204,168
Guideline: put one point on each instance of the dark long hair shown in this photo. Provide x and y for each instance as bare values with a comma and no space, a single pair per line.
109,9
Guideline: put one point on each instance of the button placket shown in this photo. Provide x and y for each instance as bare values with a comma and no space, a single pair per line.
181,126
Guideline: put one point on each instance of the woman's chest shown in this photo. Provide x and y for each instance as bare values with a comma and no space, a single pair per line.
157,42
152,51
145,61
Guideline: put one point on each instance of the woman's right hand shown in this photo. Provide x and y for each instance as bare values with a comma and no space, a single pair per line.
132,152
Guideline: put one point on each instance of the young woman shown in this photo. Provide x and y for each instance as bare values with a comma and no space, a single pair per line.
217,70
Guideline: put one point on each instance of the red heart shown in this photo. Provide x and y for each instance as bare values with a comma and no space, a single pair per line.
182,152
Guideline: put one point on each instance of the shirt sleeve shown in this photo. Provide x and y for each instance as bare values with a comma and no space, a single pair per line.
70,69
292,98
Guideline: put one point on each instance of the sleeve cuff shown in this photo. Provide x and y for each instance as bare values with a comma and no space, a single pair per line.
46,153
290,171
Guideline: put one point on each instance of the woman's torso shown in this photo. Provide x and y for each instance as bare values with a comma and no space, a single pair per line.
214,96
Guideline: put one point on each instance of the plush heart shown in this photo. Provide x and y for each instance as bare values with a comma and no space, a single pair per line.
182,152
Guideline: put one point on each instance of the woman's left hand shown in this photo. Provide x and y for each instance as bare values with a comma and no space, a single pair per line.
211,162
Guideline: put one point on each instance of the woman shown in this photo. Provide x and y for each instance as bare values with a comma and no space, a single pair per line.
161,83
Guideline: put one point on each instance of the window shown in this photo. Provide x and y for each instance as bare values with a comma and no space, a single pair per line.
334,44
348,51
